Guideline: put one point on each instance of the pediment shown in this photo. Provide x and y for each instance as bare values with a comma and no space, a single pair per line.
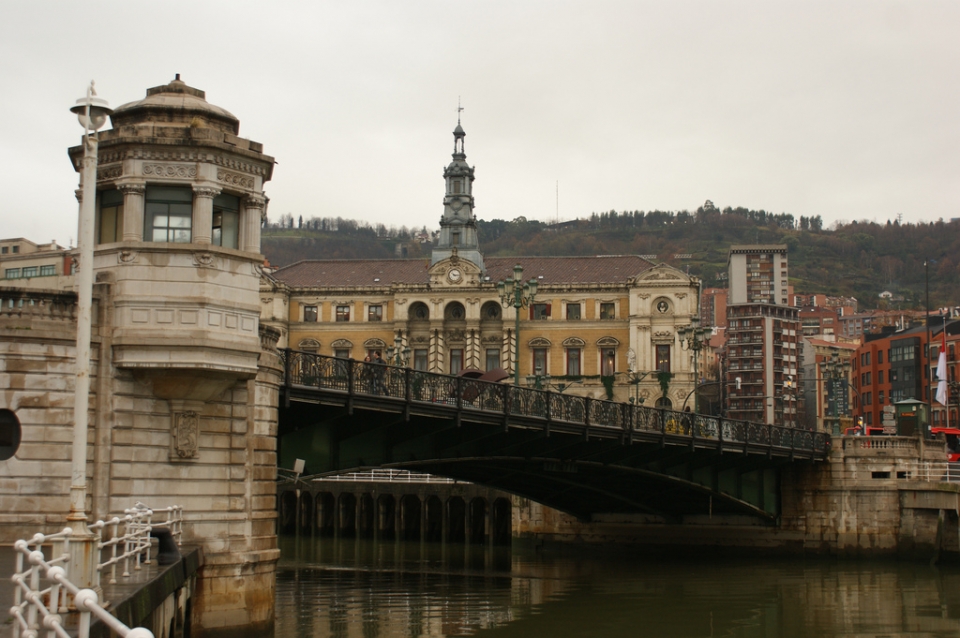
662,273
455,272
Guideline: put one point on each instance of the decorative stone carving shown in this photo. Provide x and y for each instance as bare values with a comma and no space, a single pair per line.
186,171
663,335
631,359
134,188
204,260
374,343
128,257
539,342
206,191
608,341
491,339
456,335
235,179
109,172
186,434
574,342
643,295
420,339
341,344
680,295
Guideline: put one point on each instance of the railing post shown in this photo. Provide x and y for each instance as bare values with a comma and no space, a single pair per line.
507,401
407,393
351,384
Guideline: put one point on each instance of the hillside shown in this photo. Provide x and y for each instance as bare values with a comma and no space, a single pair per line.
859,259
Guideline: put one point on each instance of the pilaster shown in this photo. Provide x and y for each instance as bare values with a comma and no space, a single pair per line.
253,211
133,198
203,213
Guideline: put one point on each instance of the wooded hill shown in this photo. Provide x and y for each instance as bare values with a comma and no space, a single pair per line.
858,259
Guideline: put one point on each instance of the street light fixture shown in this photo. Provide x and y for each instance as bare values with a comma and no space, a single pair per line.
692,338
398,354
92,112
515,292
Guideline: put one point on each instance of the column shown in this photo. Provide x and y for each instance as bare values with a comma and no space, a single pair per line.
133,198
203,213
254,208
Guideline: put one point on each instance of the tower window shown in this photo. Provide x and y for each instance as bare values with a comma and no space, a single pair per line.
457,187
169,214
454,239
110,221
226,221
343,313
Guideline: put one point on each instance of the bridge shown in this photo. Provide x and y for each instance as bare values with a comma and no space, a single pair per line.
584,456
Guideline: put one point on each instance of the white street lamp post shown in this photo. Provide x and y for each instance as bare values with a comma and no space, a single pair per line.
92,112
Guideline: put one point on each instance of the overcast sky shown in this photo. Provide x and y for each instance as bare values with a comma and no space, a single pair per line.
847,110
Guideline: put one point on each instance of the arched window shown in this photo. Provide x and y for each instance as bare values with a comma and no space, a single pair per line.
9,434
454,312
309,345
419,312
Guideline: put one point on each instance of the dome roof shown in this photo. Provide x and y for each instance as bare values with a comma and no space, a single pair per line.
176,102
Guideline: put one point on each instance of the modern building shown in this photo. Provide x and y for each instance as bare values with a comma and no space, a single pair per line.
762,381
890,367
599,326
829,404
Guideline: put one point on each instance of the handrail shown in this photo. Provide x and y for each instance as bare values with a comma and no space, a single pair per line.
354,378
35,609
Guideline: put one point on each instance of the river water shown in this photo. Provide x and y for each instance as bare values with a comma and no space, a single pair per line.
363,589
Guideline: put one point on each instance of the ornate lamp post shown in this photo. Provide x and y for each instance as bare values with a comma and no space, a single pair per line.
92,112
398,354
692,338
519,294
634,378
539,380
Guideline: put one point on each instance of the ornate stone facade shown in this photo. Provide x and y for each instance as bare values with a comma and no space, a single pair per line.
591,317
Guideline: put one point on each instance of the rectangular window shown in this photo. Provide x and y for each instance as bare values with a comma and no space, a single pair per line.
608,361
3,251
540,311
168,214
608,310
48,271
456,360
573,362
454,239
29,271
342,353
110,221
492,359
539,361
573,312
375,313
226,221
420,359
456,186
16,249
868,379
309,313
879,377
11,273
343,313
663,358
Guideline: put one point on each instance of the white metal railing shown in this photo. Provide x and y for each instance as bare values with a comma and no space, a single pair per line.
37,610
387,476
934,471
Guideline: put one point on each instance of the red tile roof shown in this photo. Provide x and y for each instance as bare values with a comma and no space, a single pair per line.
601,269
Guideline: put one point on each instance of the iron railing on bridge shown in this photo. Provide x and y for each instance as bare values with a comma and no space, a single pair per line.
307,369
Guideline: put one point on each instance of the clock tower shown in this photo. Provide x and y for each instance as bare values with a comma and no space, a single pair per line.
458,227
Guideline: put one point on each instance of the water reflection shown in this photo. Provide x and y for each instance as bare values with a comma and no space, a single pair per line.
350,588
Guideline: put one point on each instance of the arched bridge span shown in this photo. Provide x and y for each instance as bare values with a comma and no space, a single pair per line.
584,456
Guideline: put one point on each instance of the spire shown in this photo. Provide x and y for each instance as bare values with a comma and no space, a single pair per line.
458,226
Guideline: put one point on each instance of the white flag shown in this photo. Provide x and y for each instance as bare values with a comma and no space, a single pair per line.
942,370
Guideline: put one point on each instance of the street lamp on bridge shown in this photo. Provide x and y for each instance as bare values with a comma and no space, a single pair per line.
92,112
692,338
517,293
398,354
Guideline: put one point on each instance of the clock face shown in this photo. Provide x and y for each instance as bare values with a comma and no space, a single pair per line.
454,275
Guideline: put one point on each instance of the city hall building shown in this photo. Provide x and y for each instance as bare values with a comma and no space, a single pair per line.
591,322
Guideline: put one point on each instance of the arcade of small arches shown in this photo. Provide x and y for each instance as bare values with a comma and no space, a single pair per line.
371,513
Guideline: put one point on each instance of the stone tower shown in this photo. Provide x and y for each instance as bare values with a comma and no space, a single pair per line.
458,226
186,380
